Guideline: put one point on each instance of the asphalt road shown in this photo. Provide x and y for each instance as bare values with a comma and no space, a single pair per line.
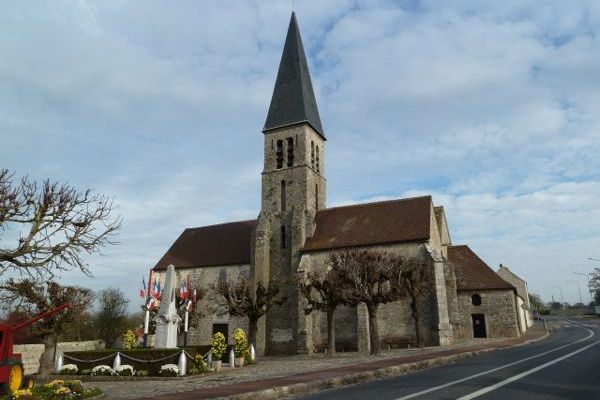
564,366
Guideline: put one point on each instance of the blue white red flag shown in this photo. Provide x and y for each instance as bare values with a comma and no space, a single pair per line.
143,289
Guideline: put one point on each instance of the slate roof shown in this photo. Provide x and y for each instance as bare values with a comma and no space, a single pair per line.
383,222
213,245
293,98
472,273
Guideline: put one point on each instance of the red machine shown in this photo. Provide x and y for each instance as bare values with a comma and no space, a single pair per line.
11,367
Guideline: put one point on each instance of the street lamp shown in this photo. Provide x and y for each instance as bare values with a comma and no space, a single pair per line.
589,284
562,299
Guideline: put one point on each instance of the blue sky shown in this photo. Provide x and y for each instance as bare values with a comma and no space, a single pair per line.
491,107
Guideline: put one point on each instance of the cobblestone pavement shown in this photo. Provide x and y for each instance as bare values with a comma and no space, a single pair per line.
267,368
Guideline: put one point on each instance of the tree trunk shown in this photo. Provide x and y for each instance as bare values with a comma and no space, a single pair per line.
252,330
417,319
330,331
374,328
47,358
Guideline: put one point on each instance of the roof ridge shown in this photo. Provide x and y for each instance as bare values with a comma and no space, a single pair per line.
376,202
219,224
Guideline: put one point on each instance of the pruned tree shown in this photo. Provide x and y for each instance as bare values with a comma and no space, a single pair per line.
323,292
111,315
236,299
417,276
595,279
34,298
51,226
371,277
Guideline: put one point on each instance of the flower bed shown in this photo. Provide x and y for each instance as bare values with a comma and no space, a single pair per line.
56,390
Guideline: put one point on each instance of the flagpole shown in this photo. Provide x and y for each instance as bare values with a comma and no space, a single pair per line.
185,327
147,313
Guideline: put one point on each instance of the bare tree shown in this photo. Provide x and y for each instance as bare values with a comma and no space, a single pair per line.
370,277
111,316
54,225
34,298
235,298
323,292
417,276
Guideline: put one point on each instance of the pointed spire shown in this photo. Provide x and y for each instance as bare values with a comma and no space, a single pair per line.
293,98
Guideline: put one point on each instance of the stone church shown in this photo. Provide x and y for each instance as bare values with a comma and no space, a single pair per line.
295,232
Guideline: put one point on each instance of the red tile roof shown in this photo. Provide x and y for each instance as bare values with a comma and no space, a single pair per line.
383,222
213,245
472,273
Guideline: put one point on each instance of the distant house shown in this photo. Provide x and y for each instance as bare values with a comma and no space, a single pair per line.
523,306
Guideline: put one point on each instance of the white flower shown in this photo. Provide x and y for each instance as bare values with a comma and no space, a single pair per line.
102,370
72,368
125,367
170,367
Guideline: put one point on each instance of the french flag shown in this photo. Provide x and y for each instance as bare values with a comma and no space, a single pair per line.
157,289
143,289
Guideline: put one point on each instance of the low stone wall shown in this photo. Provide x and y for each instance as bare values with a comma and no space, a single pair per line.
31,353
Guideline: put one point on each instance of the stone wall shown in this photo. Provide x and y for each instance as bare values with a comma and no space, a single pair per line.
31,353
521,286
498,307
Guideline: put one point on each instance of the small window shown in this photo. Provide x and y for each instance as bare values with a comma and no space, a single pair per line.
476,300
312,154
283,239
317,159
279,154
283,196
290,152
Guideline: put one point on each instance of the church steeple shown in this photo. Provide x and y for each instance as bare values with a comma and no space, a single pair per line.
293,100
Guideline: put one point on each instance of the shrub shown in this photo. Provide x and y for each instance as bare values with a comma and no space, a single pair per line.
169,370
199,364
129,340
85,371
125,370
102,370
69,369
58,389
240,342
218,345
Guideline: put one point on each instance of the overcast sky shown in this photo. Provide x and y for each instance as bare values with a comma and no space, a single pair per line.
492,107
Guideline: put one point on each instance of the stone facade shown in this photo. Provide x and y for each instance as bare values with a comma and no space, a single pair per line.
498,308
524,307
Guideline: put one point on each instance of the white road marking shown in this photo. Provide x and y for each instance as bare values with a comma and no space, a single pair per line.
489,371
525,373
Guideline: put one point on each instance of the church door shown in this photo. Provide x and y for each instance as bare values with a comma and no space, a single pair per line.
479,325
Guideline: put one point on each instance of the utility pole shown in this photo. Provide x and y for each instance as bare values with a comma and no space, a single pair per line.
562,298
578,290
589,284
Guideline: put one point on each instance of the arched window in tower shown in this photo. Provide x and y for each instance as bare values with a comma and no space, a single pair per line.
279,154
282,196
282,237
312,154
290,152
317,159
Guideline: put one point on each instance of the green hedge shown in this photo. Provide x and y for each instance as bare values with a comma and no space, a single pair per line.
141,354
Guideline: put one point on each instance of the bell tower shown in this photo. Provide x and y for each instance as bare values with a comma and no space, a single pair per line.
293,189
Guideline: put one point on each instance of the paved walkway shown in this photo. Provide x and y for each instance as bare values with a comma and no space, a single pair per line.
272,372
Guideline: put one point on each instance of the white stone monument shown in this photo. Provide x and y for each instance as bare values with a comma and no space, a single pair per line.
167,319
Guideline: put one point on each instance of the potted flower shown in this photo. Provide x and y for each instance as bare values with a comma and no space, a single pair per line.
169,370
240,346
68,369
217,348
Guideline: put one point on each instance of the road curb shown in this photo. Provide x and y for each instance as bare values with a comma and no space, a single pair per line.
386,372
